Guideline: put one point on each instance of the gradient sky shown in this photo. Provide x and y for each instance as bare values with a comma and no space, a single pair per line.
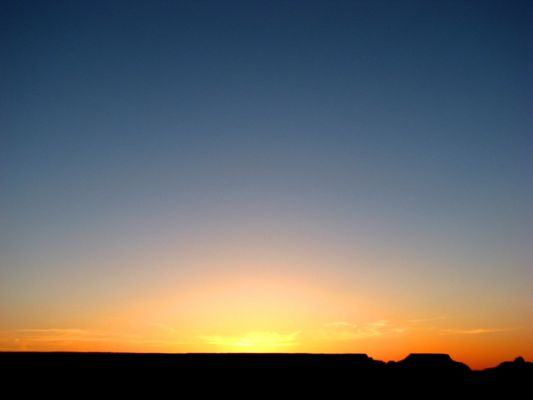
333,176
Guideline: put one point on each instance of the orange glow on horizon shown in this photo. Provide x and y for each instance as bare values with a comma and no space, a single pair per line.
260,313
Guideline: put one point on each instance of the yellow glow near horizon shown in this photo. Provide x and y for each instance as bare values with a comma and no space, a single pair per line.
254,342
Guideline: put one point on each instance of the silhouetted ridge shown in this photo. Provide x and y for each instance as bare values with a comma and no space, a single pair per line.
433,362
517,364
246,374
513,373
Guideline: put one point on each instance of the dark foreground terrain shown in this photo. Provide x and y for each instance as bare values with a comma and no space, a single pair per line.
255,375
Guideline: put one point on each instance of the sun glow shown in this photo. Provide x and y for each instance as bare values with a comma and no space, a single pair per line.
254,342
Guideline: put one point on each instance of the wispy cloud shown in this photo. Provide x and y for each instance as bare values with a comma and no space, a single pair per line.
339,324
67,334
427,319
343,330
476,331
60,337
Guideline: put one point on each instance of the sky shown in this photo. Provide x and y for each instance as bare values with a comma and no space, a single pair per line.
287,176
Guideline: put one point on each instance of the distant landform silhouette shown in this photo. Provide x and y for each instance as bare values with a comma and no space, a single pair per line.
259,374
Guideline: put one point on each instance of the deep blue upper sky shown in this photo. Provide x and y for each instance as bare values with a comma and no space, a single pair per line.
398,124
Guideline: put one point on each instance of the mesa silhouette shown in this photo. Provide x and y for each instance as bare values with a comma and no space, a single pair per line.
305,373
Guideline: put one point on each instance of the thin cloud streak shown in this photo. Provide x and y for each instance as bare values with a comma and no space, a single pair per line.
27,337
476,331
346,331
429,319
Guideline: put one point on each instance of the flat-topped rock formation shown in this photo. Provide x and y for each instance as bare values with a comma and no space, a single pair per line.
274,374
